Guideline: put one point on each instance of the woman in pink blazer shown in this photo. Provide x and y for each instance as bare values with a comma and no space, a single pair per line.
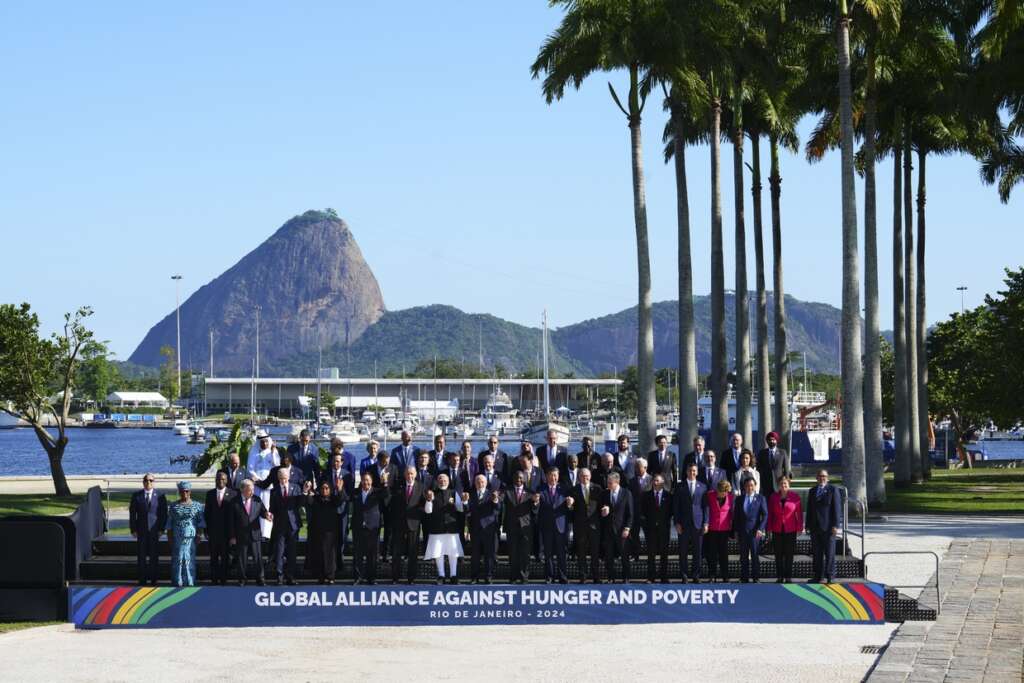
720,508
785,519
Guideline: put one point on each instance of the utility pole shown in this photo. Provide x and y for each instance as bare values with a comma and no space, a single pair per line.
258,341
211,352
177,315
961,289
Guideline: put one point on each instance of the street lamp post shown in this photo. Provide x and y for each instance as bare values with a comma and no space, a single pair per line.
961,289
177,315
258,308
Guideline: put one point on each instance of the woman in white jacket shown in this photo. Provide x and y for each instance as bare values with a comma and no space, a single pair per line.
746,471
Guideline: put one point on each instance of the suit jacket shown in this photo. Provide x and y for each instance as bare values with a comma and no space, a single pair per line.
234,480
495,481
502,463
138,515
656,519
690,512
425,478
295,477
591,460
666,468
622,513
438,461
370,514
772,469
627,469
691,458
287,511
565,477
756,520
445,517
587,516
245,528
556,459
398,456
218,517
406,512
823,513
394,475
553,513
600,476
484,515
533,482
347,486
729,461
460,481
711,481
308,462
518,514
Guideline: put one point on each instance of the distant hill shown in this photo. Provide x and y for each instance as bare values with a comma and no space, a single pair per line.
407,336
310,280
599,343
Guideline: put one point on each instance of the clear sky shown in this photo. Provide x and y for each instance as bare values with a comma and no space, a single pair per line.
143,139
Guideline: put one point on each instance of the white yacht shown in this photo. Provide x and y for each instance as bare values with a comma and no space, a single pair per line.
537,432
499,415
349,432
180,427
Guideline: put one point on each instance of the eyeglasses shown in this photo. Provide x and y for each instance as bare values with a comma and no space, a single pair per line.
148,481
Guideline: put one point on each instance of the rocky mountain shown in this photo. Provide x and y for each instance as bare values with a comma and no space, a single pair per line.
599,343
309,278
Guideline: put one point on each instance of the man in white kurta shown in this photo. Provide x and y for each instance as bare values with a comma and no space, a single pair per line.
262,458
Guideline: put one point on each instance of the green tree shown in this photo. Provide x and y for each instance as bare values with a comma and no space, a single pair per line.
38,377
97,375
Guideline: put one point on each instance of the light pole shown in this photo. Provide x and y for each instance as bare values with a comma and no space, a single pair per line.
177,315
962,289
258,308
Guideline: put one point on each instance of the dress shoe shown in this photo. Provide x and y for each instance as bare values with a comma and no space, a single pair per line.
409,582
487,581
685,580
330,582
439,581
290,582
696,581
563,581
356,582
756,580
241,584
371,582
454,581
261,582
279,582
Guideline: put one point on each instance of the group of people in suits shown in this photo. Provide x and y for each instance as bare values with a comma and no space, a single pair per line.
408,503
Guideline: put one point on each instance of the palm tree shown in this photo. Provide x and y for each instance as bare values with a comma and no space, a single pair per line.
902,471
602,36
852,371
910,298
719,388
742,309
761,369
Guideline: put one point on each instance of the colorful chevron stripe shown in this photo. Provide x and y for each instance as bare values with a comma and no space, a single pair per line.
850,602
125,606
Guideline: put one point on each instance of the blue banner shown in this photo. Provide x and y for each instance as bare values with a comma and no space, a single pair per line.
214,606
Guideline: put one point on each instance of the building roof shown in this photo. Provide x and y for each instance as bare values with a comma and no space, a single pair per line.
384,381
136,396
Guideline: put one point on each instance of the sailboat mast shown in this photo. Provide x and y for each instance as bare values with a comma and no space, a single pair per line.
544,352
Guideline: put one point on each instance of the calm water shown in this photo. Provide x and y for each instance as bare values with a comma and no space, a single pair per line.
136,451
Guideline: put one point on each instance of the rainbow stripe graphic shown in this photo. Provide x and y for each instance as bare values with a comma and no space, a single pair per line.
847,602
124,606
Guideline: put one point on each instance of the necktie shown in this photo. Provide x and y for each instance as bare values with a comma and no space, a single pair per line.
248,506
284,492
220,497
408,491
519,495
586,495
552,489
657,499
149,501
615,496
691,489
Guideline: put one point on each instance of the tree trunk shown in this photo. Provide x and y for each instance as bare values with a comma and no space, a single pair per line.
780,418
743,394
55,454
901,434
761,372
646,407
687,333
910,295
874,463
852,369
719,397
922,326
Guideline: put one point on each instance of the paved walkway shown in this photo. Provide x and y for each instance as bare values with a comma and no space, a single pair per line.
979,636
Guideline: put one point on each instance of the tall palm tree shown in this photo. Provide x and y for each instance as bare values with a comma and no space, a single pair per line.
910,298
852,370
719,387
902,470
761,368
742,307
601,36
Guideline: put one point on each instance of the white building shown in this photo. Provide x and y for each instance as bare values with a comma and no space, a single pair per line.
137,399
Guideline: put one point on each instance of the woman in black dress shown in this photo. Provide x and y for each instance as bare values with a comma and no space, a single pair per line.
322,544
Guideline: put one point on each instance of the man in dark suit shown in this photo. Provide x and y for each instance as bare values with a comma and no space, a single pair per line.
663,461
306,456
147,519
569,475
495,481
294,474
468,465
287,500
385,476
342,483
607,468
656,514
773,463
690,510
484,517
588,457
368,505
217,515
694,457
246,535
405,454
749,520
587,525
501,459
823,519
406,517
519,519
235,472
532,478
618,516
458,478
554,508
425,472
438,456
730,460
551,454
710,474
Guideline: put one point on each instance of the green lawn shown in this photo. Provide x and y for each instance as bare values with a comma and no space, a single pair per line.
9,626
980,491
49,504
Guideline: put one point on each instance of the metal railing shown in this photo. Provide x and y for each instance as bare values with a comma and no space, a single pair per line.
935,556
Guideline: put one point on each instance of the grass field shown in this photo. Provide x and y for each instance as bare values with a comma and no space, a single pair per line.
980,491
49,504
8,626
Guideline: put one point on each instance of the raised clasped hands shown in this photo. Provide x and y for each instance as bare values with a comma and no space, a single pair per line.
430,496
605,510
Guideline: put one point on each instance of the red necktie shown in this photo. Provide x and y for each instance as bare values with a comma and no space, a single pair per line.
408,491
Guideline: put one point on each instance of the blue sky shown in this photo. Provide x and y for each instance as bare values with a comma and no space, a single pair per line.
141,140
